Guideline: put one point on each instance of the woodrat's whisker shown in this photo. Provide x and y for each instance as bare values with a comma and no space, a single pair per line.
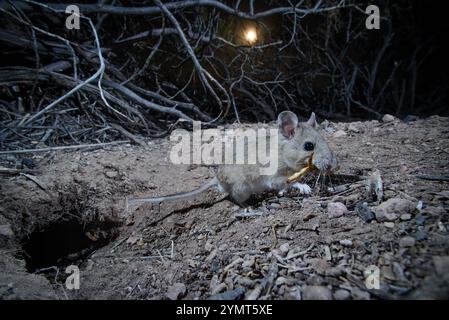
330,182
317,179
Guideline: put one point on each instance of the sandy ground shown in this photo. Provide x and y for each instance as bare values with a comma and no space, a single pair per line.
69,209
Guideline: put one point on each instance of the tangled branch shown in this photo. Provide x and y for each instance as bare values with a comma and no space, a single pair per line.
144,69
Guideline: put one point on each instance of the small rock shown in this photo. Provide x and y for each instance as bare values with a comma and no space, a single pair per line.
212,255
133,239
339,134
316,293
385,216
420,206
388,118
229,295
176,291
374,185
406,217
346,242
209,246
327,253
214,282
390,209
284,248
192,263
219,288
406,242
441,264
111,174
336,209
342,294
5,230
291,293
389,225
387,273
90,265
403,169
248,263
353,128
329,130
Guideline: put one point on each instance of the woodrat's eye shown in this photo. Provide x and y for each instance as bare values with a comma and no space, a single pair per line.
309,146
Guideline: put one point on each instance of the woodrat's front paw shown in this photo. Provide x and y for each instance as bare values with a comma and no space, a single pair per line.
302,187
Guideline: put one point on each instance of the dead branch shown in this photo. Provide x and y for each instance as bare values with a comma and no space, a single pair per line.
81,146
190,60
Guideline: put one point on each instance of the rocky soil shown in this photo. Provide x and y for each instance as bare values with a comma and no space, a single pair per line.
64,208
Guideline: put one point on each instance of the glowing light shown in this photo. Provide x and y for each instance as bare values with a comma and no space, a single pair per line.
251,36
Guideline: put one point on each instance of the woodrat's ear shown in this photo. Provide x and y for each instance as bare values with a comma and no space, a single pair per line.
287,124
312,121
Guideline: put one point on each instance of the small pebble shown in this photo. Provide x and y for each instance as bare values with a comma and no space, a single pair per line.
391,209
403,169
339,134
280,281
176,291
316,293
342,294
389,225
284,248
274,205
111,174
346,242
336,209
209,246
388,118
229,295
406,217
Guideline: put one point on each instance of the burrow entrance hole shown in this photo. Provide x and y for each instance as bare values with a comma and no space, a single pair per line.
65,242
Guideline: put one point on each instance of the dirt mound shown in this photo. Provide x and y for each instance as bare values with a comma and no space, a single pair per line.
69,209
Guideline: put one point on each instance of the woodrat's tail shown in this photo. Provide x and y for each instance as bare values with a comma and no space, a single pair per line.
177,196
